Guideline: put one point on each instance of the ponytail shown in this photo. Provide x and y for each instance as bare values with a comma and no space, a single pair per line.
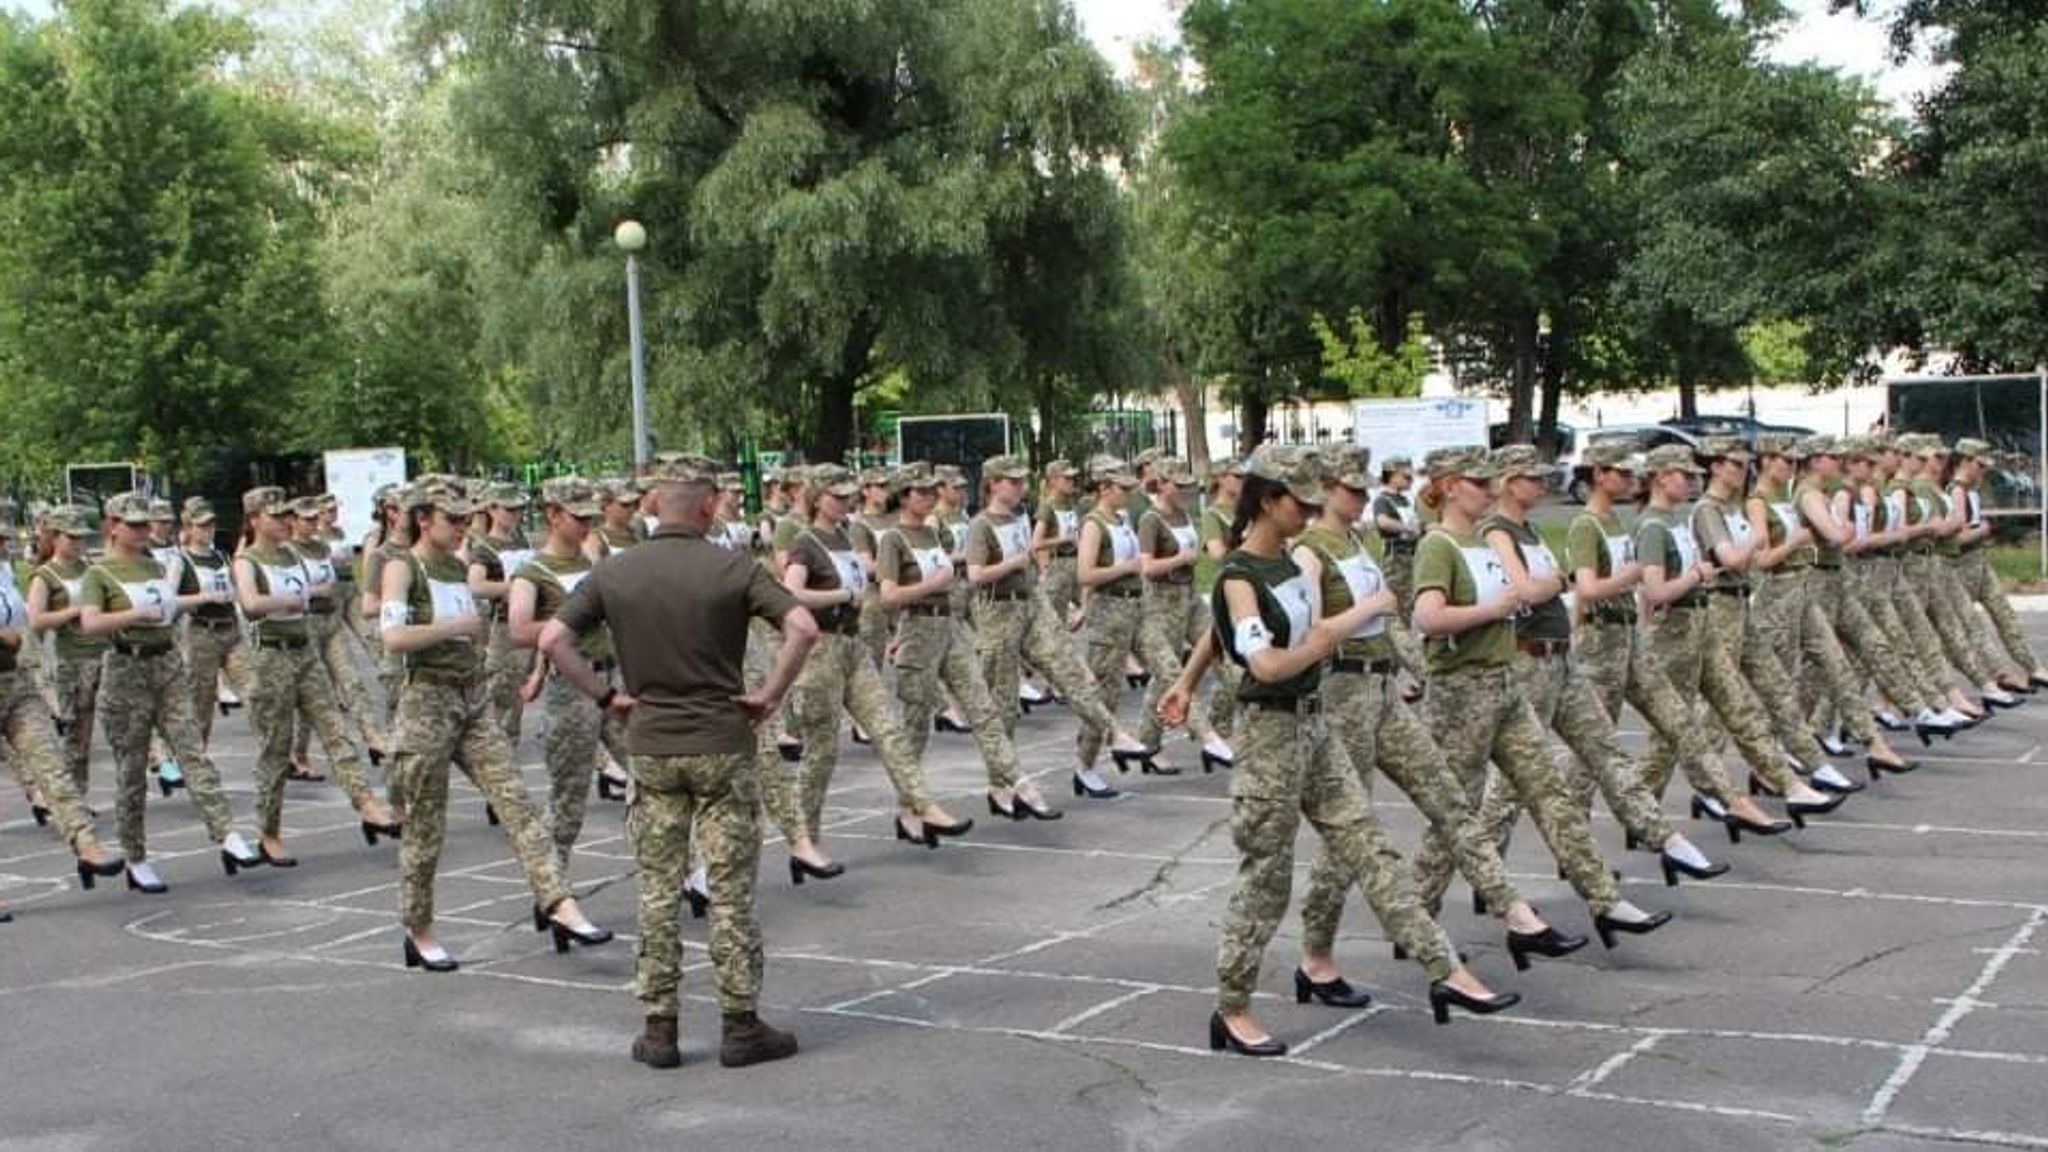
1251,501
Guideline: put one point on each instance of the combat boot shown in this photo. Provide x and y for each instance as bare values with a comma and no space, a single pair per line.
750,1041
656,1047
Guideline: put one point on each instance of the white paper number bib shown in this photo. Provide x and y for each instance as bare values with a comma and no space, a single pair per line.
152,593
851,575
286,580
1489,579
1012,538
1067,522
1292,596
1363,578
1123,544
1184,537
1621,550
452,600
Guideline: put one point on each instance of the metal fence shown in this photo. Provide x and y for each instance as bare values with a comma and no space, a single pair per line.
2010,412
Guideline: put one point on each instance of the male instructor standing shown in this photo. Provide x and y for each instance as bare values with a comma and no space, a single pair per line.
678,607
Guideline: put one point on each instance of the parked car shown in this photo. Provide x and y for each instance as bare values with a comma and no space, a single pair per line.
1638,437
1700,427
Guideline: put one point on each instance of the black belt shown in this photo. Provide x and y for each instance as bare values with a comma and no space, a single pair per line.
1362,667
1132,595
1401,546
1005,596
1693,599
1065,552
442,679
1718,590
282,643
927,608
1605,614
129,648
1298,705
322,607
1536,646
1180,579
214,623
1820,567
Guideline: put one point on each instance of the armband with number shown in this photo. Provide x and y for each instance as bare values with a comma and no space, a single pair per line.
1250,636
393,616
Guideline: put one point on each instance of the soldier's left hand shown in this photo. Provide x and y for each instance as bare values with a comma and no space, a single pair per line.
622,703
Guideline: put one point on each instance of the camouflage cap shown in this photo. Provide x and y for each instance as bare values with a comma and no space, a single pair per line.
574,495
1292,467
618,490
1467,460
1110,470
162,511
836,479
1149,456
1782,444
1349,465
1615,454
448,499
386,494
128,508
1820,445
1971,448
682,468
1860,447
198,510
916,474
1393,464
1178,472
1511,460
268,500
731,482
305,507
874,477
1925,444
328,501
1671,458
948,474
1005,468
1060,468
68,520
505,495
1725,448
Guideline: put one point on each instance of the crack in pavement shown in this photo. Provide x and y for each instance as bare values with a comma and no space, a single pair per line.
1163,875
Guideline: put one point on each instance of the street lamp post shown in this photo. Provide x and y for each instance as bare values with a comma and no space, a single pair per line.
631,237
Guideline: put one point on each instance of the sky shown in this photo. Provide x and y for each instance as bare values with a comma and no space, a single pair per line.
1859,47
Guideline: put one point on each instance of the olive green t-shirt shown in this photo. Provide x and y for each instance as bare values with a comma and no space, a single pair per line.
280,572
829,562
441,586
678,608
1351,570
1664,540
66,584
1603,544
1783,517
1163,535
993,537
114,585
1714,523
786,531
1216,520
555,579
1058,517
1826,554
1549,620
1111,530
1285,615
1397,506
908,555
322,568
1455,564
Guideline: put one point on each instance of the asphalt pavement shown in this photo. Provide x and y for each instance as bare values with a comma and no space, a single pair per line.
1874,982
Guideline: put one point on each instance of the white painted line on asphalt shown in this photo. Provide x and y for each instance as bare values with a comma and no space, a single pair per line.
1968,1136
1593,1077
1915,1055
1109,1005
1332,1032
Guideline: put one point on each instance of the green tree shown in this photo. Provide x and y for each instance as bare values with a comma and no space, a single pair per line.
1355,359
162,304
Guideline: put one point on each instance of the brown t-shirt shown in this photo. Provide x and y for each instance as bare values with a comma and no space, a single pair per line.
987,535
678,607
908,556
1163,535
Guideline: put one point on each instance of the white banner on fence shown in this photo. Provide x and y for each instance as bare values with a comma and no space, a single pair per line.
353,477
1414,428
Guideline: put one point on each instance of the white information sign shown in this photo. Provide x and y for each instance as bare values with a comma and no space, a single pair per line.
1414,428
353,477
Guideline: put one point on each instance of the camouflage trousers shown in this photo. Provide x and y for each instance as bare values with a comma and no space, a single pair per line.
506,665
334,645
1971,626
1980,584
1591,756
1878,579
934,656
1112,630
1789,626
1377,730
1477,713
838,677
716,801
206,656
1173,621
140,695
1287,769
1009,632
1617,662
1909,600
1729,629
570,750
439,723
1843,611
1927,576
29,742
288,685
876,626
1399,569
76,682
1062,584
1702,669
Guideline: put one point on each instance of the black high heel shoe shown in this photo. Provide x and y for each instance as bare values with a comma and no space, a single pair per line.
1549,944
276,861
609,789
1143,758
1150,768
1221,1037
41,814
860,737
700,904
563,934
1028,811
1443,998
1878,768
945,723
932,832
1757,787
1137,680
790,753
1083,788
414,959
1607,926
1336,993
1673,867
1478,904
232,864
1799,810
376,756
1738,824
800,868
1703,809
1014,812
165,786
924,836
89,872
372,830
1211,761
490,816
134,885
